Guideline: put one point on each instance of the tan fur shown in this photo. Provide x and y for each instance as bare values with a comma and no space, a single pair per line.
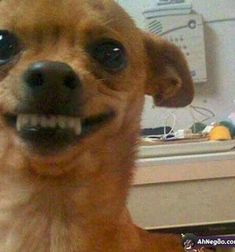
75,201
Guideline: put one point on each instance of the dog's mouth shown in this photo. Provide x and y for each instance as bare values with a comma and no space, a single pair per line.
52,133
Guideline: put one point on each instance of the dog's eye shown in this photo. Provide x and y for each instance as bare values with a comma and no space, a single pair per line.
110,54
9,46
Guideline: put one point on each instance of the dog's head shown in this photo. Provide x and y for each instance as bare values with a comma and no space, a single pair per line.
73,75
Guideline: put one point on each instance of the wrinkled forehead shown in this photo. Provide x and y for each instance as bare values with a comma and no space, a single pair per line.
30,16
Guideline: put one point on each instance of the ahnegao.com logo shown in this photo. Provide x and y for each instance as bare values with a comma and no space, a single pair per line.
216,242
193,243
189,242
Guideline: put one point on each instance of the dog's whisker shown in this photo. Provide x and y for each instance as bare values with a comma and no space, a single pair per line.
107,22
104,79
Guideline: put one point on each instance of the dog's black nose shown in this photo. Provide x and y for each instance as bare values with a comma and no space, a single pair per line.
44,75
53,85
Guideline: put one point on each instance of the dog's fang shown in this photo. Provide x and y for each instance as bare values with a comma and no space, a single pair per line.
78,127
19,122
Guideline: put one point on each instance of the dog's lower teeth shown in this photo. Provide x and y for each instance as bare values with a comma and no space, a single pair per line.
49,122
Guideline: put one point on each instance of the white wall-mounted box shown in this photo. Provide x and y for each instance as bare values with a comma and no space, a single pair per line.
187,33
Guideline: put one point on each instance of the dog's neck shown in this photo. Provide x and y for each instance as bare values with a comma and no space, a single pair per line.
76,212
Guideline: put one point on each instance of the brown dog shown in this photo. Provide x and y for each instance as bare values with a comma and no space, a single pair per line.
73,74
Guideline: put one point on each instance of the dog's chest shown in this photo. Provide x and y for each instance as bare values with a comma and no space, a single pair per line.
35,223
42,217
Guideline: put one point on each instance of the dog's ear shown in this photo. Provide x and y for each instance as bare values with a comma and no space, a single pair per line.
168,78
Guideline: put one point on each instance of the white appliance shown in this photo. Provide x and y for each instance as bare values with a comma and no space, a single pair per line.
186,32
168,7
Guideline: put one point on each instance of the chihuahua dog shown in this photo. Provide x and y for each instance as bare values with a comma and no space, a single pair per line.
73,75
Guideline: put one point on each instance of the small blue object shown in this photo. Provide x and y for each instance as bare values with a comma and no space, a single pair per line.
230,126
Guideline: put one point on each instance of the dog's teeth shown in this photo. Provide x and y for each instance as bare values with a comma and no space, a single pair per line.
78,127
34,120
71,123
49,122
25,119
22,121
19,122
43,121
52,122
62,122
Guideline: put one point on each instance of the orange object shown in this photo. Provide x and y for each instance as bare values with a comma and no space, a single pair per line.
220,133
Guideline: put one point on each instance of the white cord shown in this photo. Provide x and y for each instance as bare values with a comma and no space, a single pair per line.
173,116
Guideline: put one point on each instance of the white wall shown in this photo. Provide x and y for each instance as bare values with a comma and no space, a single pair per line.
218,93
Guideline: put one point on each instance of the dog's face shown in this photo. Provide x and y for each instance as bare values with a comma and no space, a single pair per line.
73,74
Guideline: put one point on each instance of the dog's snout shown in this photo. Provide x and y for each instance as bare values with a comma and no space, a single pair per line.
51,87
49,76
